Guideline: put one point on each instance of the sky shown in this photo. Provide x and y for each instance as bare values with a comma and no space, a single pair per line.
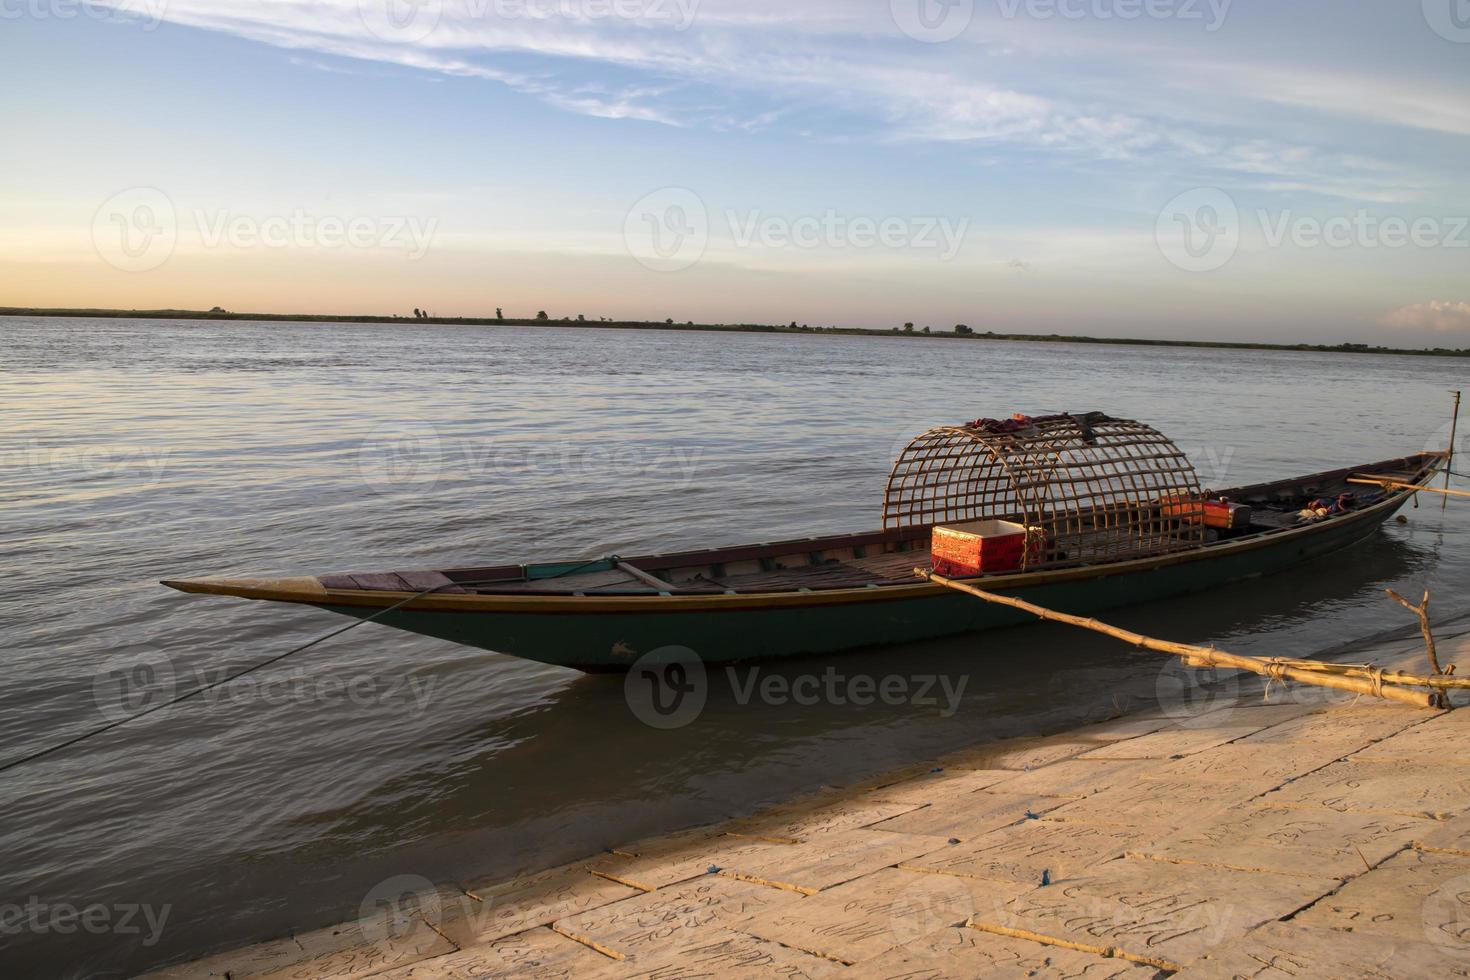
1192,169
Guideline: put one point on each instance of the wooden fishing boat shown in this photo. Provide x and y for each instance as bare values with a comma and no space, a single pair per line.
1116,507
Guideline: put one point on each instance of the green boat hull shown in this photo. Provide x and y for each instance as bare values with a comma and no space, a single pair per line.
605,641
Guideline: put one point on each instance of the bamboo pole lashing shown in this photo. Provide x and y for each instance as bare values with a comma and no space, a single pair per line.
1443,682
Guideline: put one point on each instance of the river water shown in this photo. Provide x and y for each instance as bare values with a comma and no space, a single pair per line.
140,450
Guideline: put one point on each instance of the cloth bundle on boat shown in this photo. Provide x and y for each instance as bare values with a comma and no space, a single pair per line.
1093,485
1324,507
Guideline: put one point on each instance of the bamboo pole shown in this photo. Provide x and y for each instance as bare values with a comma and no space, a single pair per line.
1442,682
1397,485
1449,460
1196,656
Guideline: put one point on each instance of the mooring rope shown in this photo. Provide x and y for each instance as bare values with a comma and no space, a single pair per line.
52,750
1275,674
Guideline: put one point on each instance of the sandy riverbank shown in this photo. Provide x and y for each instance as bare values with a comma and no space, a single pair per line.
1305,836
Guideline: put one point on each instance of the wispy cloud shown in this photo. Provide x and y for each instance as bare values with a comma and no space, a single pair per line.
1422,104
1099,91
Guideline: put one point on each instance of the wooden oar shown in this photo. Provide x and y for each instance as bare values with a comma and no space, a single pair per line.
1397,485
646,578
1375,683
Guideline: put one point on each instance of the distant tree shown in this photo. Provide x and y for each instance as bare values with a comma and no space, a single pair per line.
669,321
962,330
417,313
581,318
499,314
926,329
541,315
908,328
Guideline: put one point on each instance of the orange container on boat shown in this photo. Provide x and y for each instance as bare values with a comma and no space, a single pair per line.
983,547
1211,513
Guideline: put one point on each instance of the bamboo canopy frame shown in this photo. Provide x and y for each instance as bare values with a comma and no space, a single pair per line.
1092,485
1068,473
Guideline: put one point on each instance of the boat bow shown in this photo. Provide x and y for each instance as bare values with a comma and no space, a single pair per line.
296,589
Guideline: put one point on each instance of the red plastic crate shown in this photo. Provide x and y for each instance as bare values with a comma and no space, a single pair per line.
982,547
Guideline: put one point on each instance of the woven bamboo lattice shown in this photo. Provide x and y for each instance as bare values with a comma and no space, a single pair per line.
1090,485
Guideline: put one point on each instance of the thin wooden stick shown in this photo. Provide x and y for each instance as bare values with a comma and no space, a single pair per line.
1422,611
1199,656
1397,485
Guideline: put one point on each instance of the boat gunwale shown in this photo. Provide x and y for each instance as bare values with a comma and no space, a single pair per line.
297,590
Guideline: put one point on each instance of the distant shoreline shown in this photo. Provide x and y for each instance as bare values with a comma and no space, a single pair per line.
727,328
